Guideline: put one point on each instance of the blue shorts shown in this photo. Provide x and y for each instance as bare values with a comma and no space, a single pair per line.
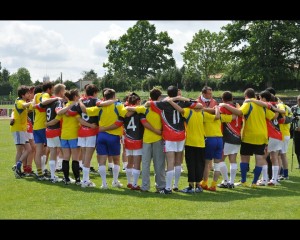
213,148
70,143
108,144
39,136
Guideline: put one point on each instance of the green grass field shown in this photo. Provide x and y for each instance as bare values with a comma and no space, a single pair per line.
29,199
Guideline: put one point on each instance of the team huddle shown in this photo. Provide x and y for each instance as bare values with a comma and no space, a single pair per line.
49,122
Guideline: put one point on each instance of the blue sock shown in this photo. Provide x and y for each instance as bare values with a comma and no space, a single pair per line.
257,172
244,168
19,165
281,171
285,173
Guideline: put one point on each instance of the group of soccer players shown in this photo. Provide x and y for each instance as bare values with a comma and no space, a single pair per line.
49,121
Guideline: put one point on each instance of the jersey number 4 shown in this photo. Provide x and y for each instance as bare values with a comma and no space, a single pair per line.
131,124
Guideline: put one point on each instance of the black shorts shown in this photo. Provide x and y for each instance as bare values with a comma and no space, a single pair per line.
250,149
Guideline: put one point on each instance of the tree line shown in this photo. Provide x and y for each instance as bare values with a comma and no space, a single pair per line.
243,54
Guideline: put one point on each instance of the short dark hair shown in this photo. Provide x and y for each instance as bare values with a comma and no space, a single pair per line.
109,93
38,89
22,90
85,86
71,94
227,96
250,93
103,91
47,85
266,94
133,98
155,93
91,89
271,90
172,91
205,89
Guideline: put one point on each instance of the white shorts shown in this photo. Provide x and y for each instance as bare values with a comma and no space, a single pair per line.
136,152
29,135
274,145
20,137
87,141
174,146
231,148
53,142
285,144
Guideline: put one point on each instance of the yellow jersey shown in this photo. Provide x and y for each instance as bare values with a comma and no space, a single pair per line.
20,116
195,133
154,119
40,113
284,127
69,125
214,128
108,115
255,129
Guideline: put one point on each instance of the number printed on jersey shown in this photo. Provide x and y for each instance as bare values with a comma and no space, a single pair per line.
176,117
131,124
48,112
85,117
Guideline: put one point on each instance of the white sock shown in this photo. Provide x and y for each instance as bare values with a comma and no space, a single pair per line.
264,172
102,172
43,162
275,170
86,173
129,175
116,171
177,175
136,174
80,164
52,164
233,169
58,163
110,165
169,178
125,164
224,171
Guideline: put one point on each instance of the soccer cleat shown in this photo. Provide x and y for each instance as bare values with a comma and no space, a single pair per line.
93,170
198,189
273,183
56,179
175,189
136,187
14,167
223,184
204,187
187,190
42,178
244,184
261,183
165,191
68,181
78,182
47,173
104,186
253,185
129,185
281,178
18,173
88,184
117,184
230,185
212,189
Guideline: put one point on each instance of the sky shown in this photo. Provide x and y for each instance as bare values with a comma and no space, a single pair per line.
71,47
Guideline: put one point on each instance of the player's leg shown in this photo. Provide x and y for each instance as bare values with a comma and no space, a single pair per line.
137,158
159,163
146,160
66,151
178,163
129,168
190,160
75,150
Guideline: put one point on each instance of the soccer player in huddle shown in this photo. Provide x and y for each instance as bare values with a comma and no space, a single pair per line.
152,145
232,142
19,128
255,135
173,133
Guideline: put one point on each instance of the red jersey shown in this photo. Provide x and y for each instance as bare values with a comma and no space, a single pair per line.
231,131
208,104
172,121
29,125
273,127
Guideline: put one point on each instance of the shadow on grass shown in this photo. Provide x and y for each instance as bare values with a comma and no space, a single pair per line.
288,188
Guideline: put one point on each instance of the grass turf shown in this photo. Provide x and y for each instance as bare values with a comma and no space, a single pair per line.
30,199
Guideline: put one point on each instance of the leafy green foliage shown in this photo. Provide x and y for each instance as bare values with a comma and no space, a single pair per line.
140,53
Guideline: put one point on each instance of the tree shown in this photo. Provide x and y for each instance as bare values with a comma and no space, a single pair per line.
24,76
206,54
141,52
267,50
5,75
69,84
